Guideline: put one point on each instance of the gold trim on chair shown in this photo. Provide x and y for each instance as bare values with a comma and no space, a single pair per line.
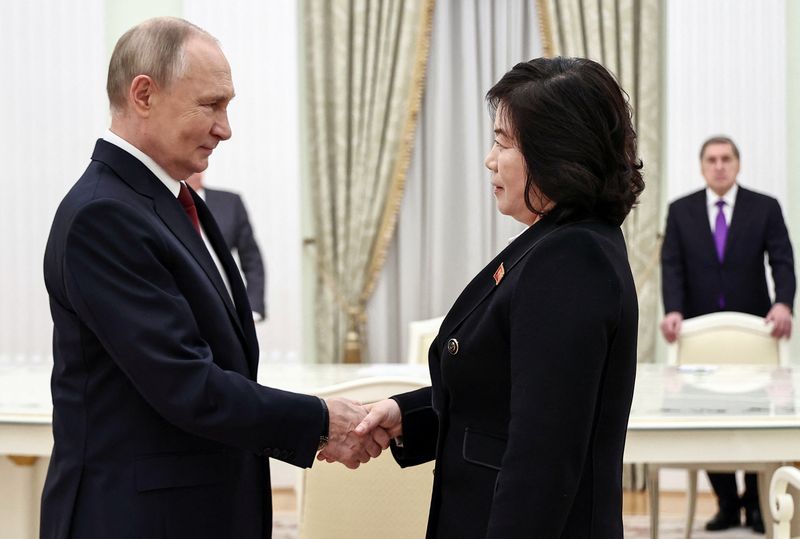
23,460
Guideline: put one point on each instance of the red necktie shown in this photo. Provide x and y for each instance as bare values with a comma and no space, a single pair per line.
185,198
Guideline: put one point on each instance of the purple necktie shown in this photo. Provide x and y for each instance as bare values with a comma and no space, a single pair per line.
720,235
720,230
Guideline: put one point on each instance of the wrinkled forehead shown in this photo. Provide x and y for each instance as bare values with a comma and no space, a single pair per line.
206,64
204,54
718,149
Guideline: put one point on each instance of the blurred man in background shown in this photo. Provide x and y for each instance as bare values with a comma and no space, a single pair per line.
713,260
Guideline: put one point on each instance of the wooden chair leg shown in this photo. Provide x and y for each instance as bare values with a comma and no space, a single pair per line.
691,503
652,493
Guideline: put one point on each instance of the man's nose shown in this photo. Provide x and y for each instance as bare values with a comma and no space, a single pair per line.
222,127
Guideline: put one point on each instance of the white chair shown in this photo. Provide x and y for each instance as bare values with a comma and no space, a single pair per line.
781,502
421,334
379,499
724,338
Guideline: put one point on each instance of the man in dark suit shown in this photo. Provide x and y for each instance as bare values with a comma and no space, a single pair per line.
713,260
231,217
159,427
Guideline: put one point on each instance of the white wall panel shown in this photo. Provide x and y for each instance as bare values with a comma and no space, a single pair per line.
261,161
726,74
53,66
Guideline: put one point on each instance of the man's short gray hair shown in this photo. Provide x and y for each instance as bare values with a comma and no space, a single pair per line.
719,139
154,48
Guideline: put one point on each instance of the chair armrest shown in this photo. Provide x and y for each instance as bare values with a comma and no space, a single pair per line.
781,502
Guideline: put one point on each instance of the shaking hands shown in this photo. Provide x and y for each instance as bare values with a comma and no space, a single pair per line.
358,433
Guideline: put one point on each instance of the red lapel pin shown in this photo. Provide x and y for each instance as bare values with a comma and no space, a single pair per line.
499,274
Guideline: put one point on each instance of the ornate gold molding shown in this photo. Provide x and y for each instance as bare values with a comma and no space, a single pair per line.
23,460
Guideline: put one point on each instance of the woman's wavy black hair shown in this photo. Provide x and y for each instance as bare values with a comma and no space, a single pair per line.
572,123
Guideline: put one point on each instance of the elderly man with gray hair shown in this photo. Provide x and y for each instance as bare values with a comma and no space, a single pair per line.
159,427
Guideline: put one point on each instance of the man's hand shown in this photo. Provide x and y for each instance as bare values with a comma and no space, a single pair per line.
343,444
781,316
671,326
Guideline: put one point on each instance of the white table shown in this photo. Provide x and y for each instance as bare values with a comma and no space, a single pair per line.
716,418
716,415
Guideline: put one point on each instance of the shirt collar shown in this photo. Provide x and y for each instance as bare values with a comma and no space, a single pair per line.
171,183
512,238
729,197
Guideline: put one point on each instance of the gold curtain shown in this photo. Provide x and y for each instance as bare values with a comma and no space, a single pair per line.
625,36
364,70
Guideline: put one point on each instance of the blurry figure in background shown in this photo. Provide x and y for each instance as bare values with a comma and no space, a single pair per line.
713,260
231,216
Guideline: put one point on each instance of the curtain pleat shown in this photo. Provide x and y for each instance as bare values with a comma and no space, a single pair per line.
365,66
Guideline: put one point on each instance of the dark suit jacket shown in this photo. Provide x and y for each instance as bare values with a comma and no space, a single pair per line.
159,427
693,277
231,217
527,419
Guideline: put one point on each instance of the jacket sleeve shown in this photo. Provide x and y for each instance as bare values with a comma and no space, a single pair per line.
563,313
672,266
781,256
250,259
420,428
117,278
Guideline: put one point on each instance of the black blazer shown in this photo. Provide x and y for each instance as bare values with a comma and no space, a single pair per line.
691,274
532,381
159,427
231,217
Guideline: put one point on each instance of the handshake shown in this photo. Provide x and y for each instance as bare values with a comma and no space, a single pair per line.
357,433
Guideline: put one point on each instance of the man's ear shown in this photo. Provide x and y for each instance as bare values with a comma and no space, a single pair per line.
141,93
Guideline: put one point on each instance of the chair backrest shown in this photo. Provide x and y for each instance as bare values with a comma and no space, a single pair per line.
727,338
379,499
421,334
785,482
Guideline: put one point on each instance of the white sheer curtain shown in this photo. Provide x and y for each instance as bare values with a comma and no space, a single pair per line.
448,227
53,65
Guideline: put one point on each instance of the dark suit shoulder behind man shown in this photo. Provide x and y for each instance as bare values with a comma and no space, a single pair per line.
231,216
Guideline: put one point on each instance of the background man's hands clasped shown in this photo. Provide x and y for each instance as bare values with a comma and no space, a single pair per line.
360,432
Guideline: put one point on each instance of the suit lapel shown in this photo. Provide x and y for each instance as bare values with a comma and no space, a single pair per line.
244,314
699,214
741,214
171,213
485,282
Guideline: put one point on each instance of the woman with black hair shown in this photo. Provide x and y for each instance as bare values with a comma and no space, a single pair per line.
533,368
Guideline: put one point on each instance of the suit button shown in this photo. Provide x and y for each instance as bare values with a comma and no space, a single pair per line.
452,346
